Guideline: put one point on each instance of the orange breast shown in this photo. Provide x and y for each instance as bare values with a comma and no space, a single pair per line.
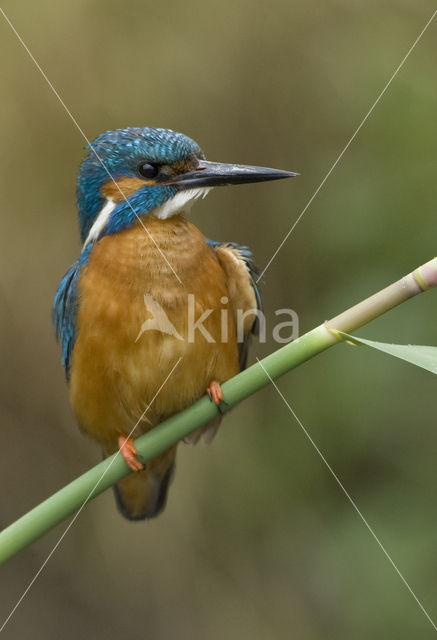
121,358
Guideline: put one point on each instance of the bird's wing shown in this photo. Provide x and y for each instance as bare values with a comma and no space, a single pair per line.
64,313
241,274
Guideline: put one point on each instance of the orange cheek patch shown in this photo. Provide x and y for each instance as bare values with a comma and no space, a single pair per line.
127,186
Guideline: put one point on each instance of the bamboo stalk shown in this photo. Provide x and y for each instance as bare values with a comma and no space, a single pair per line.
75,495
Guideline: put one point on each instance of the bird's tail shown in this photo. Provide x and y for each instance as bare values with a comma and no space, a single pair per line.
143,494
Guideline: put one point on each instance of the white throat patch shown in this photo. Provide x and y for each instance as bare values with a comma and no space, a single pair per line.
100,221
182,201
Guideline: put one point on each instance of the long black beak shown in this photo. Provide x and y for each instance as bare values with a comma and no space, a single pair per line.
216,174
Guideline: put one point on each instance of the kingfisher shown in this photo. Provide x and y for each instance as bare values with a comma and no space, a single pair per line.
122,311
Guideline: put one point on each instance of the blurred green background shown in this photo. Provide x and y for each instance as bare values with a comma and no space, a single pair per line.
257,540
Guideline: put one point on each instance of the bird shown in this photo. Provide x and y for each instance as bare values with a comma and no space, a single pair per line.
122,310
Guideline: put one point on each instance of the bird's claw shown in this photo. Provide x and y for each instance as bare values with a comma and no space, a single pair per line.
215,394
128,450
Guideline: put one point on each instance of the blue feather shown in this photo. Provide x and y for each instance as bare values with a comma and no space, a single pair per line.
65,307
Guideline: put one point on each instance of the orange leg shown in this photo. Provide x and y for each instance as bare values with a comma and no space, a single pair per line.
128,451
215,393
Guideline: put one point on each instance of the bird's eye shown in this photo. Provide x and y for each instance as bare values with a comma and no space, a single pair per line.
148,170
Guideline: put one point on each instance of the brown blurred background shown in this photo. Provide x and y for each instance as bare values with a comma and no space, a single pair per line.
257,540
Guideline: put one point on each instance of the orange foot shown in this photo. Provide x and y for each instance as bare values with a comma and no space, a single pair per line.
128,451
215,393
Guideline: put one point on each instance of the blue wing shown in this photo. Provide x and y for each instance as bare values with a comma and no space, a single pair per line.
64,314
250,273
65,309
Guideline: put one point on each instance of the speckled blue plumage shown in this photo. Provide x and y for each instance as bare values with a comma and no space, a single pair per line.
118,153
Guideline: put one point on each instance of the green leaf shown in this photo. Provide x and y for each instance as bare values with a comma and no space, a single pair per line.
421,356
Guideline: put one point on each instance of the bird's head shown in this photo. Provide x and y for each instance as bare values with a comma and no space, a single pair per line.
135,171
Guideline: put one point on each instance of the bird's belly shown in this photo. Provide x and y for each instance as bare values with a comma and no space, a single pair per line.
135,358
